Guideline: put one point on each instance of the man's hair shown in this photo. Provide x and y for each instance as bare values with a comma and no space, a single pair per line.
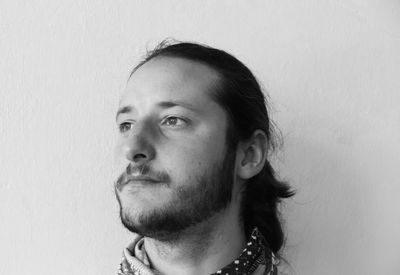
240,95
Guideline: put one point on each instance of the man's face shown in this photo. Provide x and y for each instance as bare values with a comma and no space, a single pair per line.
172,134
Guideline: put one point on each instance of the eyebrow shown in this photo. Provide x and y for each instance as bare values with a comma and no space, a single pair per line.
173,103
162,104
123,110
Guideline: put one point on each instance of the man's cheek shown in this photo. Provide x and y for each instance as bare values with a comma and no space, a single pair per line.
187,170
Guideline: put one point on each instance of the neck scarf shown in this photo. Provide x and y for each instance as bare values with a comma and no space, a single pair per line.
255,259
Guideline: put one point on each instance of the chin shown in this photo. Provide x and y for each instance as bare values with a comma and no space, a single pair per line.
137,220
132,209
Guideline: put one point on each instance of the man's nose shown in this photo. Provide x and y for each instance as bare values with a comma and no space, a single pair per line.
139,147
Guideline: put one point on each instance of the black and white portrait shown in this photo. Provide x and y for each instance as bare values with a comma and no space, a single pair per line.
200,137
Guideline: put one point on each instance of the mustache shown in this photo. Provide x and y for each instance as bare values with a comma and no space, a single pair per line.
140,172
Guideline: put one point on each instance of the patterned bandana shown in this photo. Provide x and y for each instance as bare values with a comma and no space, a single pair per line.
255,259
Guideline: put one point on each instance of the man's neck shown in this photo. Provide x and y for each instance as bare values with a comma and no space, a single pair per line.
203,249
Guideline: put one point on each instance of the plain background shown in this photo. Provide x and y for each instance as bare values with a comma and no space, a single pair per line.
331,68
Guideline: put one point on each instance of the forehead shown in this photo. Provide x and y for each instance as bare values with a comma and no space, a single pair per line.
170,78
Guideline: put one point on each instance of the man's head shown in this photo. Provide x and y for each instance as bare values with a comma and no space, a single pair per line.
195,130
173,134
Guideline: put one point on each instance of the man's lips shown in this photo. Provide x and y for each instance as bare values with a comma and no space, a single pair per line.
141,178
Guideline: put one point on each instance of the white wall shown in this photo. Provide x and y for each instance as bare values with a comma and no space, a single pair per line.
332,71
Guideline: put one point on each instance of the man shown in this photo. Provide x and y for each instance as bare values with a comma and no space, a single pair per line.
198,192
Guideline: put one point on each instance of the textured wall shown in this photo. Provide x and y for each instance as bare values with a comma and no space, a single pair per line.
331,68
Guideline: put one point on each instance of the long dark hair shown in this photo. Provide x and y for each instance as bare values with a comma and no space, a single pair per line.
240,94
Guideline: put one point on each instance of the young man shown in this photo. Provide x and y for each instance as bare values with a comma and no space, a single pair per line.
198,192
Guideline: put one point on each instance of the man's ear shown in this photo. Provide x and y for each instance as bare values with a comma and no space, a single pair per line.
252,155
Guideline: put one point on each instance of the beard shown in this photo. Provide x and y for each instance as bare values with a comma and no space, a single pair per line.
189,205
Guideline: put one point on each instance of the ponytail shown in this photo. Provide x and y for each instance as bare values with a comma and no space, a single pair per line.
259,208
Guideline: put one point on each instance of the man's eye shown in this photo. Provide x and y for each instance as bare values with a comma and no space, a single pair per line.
125,126
173,121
